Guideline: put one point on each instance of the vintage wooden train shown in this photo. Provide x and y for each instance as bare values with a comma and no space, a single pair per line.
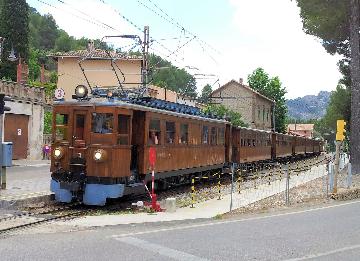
101,146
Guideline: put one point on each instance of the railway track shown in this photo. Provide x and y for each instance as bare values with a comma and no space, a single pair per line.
74,210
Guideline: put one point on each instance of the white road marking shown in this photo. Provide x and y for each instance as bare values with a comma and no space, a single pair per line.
335,251
233,221
161,250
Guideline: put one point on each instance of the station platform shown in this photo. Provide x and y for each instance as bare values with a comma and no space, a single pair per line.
27,181
207,209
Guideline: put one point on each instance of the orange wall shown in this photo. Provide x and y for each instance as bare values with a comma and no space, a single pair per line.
70,74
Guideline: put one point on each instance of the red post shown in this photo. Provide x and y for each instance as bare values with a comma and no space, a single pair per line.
152,159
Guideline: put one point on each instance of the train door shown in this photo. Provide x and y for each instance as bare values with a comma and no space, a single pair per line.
138,142
78,137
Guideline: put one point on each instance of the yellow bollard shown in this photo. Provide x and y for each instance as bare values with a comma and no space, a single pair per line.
192,192
219,185
254,177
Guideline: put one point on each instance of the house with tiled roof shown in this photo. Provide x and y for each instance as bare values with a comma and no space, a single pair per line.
305,130
255,108
96,64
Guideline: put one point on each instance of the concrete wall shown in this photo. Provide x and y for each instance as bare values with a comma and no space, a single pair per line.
30,101
70,74
35,127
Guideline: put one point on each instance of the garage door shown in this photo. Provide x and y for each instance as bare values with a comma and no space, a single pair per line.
16,131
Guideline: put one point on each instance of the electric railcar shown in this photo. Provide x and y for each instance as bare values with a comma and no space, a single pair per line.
101,146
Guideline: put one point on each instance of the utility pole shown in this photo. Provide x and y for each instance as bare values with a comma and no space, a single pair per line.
145,58
340,130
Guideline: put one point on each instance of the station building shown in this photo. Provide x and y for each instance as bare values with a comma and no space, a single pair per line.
256,109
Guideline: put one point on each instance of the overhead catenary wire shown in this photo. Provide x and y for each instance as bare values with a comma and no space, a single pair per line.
94,19
75,15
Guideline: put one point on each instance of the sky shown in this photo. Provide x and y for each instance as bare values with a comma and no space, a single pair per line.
215,40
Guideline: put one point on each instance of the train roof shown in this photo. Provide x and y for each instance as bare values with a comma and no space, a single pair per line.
149,104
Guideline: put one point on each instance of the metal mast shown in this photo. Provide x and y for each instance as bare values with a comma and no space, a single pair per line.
145,61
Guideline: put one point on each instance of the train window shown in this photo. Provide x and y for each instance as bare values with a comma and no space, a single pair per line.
123,129
154,132
102,123
213,136
61,125
184,133
205,135
170,132
221,136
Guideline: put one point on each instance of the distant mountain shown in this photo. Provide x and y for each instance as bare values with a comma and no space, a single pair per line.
309,106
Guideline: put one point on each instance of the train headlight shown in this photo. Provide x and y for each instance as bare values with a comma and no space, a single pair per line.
100,155
81,91
58,153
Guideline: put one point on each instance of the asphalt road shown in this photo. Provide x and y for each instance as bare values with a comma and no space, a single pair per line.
328,233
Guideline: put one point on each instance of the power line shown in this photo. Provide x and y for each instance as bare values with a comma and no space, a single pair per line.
174,22
80,17
100,22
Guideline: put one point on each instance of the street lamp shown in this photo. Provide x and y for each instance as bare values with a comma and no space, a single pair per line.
12,57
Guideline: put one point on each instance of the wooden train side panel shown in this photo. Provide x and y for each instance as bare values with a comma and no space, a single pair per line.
176,156
228,143
184,157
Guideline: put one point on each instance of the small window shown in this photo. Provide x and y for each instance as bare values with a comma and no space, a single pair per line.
249,143
62,119
267,115
61,126
102,123
205,135
123,129
213,136
184,133
154,132
254,143
264,114
170,132
221,136
259,112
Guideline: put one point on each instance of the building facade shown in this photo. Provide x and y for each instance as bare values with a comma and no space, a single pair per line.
255,108
97,68
305,130
24,124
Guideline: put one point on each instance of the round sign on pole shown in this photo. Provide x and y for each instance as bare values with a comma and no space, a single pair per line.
152,156
59,94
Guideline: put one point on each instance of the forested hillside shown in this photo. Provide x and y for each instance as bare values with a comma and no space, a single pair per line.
44,37
309,106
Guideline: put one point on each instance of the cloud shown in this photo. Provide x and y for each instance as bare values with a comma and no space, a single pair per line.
269,35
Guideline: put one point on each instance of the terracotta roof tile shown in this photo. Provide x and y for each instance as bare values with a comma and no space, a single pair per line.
96,54
242,85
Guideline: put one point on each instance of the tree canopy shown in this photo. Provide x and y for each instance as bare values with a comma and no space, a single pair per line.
272,88
205,93
222,111
14,27
168,76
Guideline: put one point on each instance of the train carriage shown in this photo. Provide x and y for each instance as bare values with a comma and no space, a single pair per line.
282,145
300,145
101,148
250,145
